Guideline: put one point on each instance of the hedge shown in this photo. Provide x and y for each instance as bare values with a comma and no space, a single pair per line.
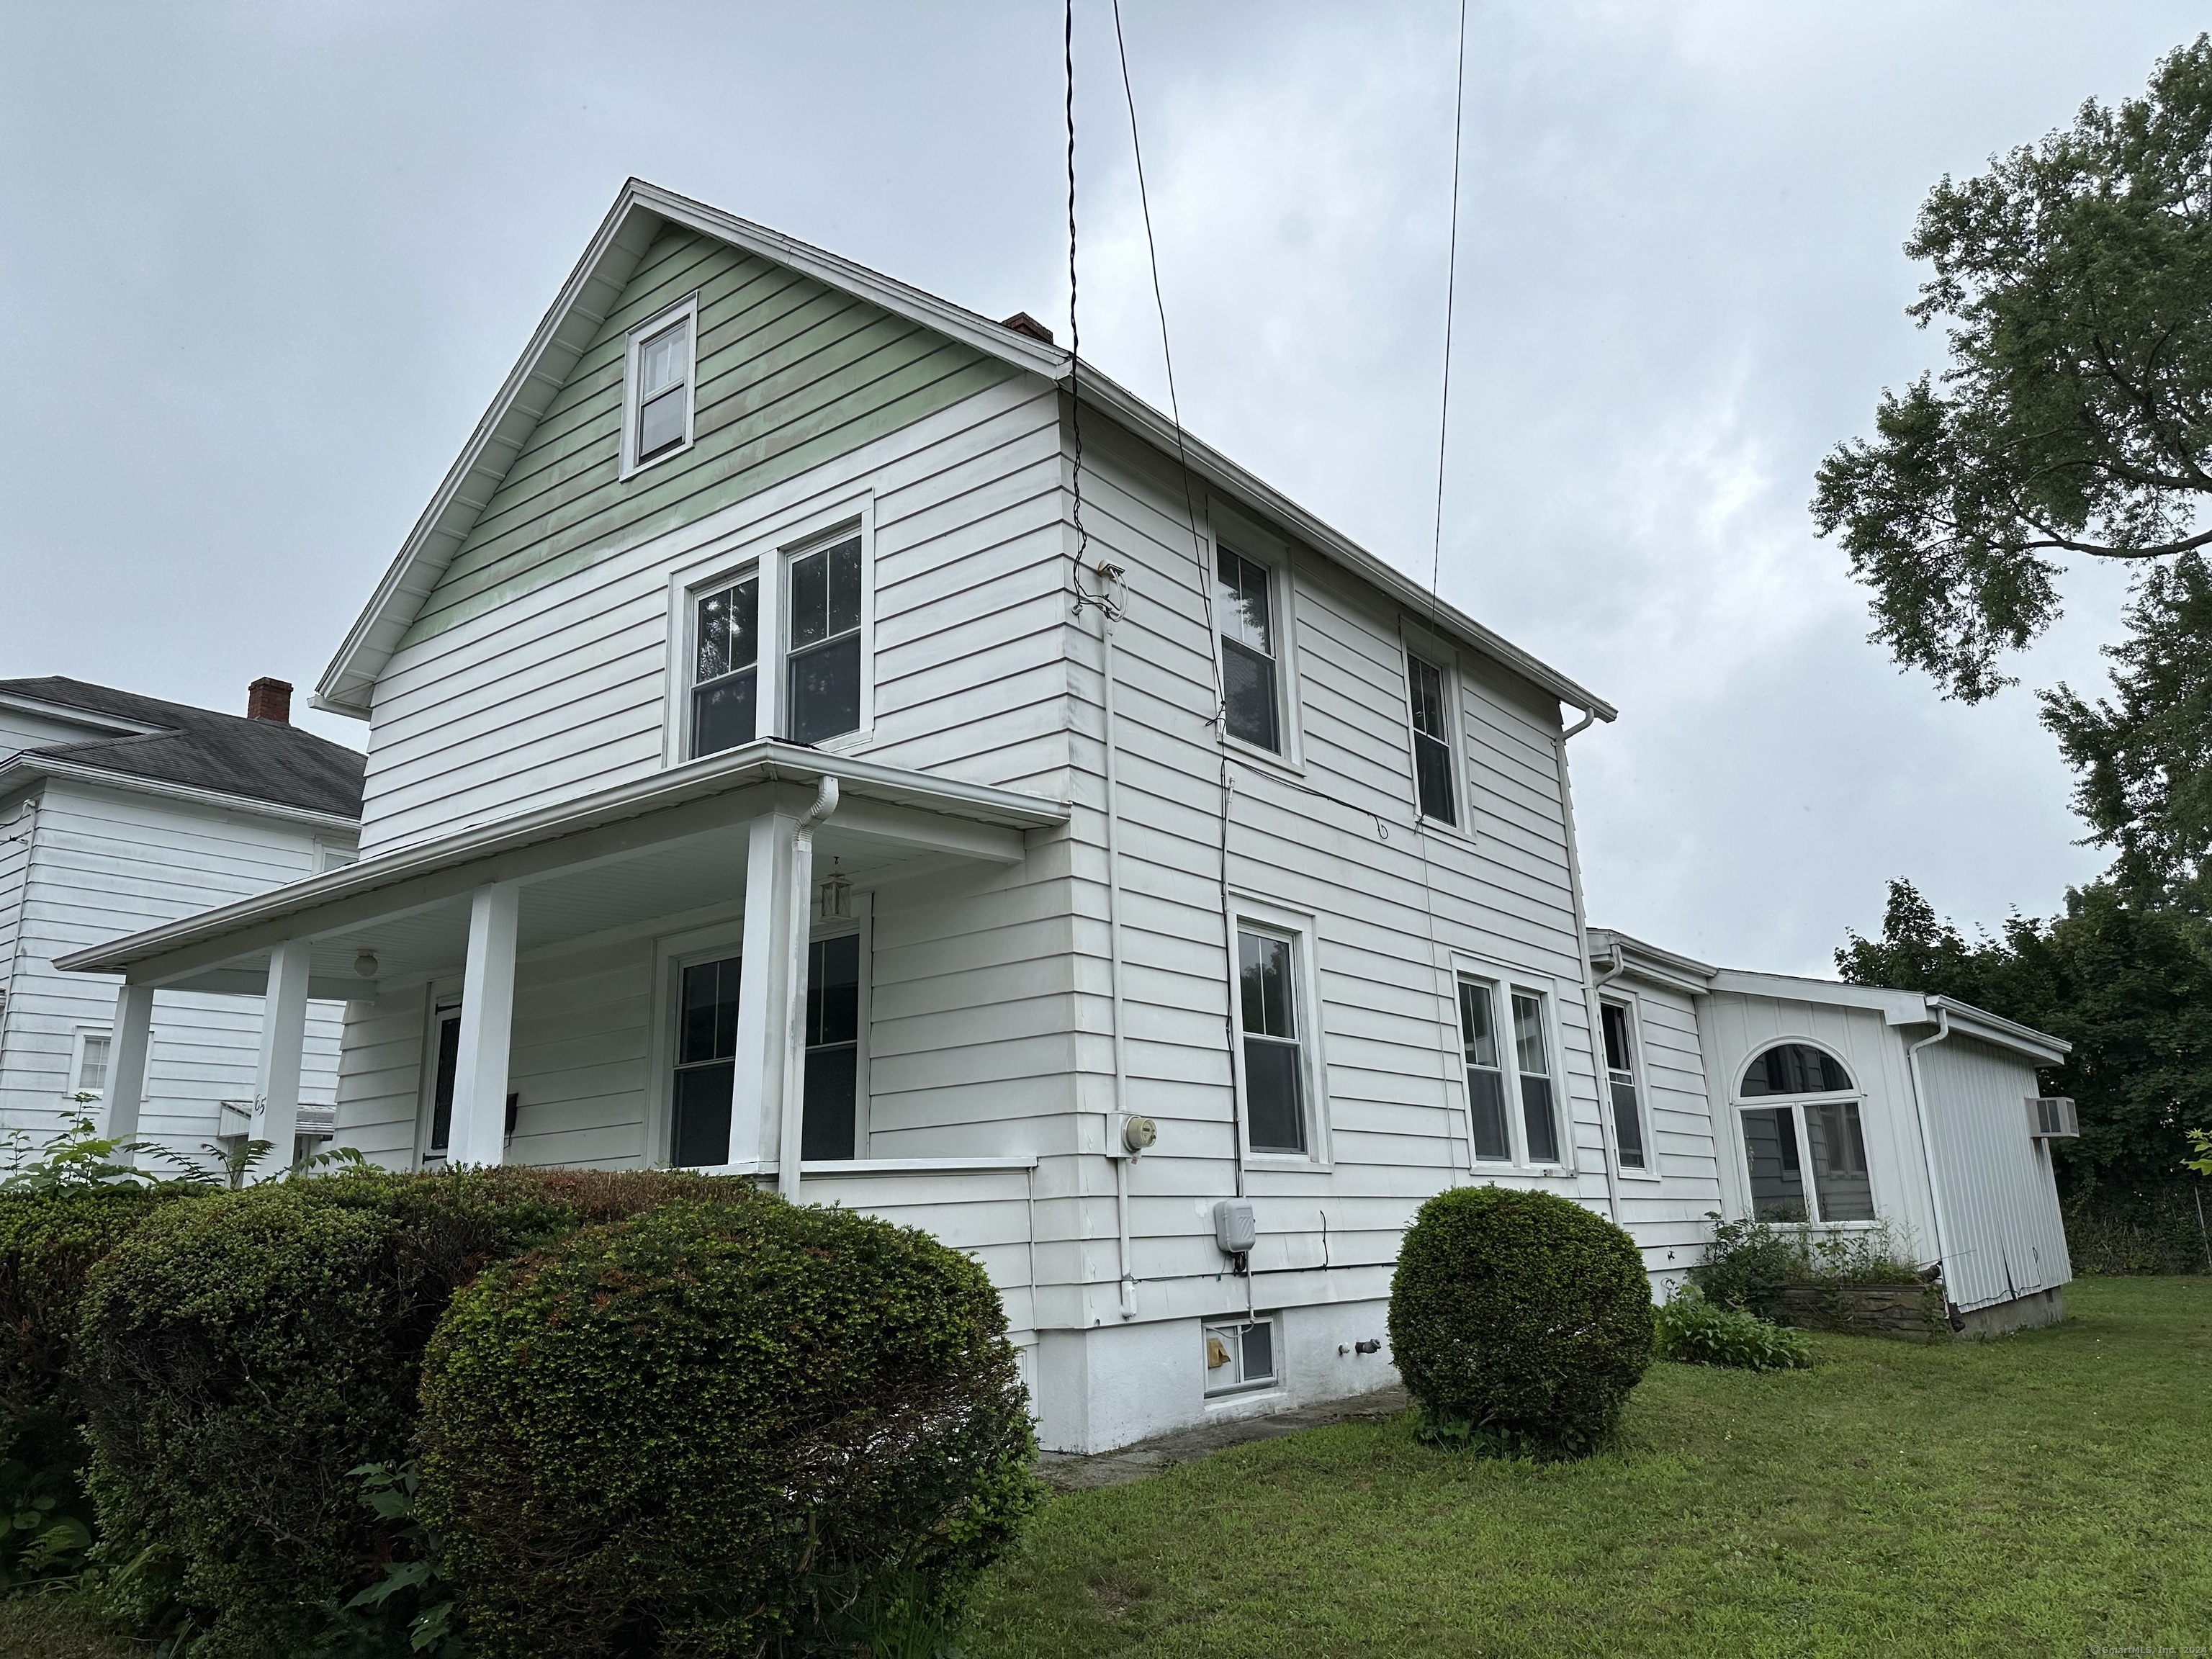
242,1353
719,1430
1520,1320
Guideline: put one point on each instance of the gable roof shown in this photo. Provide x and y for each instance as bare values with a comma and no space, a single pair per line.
595,287
174,744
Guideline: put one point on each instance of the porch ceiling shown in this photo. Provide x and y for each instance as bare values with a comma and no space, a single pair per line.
640,860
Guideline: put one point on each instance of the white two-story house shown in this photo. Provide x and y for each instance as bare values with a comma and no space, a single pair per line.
118,811
785,759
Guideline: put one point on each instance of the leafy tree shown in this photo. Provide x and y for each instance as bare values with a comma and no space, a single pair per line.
2143,761
2075,417
2129,985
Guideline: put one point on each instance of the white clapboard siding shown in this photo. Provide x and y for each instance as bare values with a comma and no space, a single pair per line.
1667,1206
109,860
565,688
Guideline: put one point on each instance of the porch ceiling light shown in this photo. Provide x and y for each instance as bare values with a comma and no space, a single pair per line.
836,897
365,964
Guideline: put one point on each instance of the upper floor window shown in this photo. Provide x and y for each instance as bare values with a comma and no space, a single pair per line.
657,401
726,676
1432,767
1621,1074
1251,696
824,694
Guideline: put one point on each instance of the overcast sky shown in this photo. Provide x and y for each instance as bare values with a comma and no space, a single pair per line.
265,266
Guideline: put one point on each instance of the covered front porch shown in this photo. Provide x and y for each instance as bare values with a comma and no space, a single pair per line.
680,960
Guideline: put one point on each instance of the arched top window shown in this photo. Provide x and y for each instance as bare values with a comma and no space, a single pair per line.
1796,1068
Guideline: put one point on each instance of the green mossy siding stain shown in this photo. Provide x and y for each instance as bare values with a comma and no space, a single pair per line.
791,374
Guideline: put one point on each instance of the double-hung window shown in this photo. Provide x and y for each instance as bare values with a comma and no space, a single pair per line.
657,401
823,663
706,1064
91,1048
726,676
1485,1079
778,649
1432,766
1532,1055
1274,1061
833,1033
1621,1080
1251,694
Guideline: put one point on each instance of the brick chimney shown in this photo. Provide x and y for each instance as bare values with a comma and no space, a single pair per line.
270,700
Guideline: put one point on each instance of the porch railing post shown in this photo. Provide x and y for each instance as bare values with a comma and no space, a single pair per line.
283,1048
126,1059
479,1126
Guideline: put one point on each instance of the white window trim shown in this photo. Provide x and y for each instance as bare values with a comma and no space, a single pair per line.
674,952
1503,981
70,1091
437,994
1240,537
1741,1102
1297,926
1415,640
769,548
1642,1073
1274,1384
686,308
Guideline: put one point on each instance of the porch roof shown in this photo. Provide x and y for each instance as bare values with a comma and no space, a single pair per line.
622,857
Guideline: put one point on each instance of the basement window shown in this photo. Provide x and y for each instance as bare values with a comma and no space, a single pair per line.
657,400
1240,1355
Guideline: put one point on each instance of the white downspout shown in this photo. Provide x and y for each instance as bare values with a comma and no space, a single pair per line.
1110,612
1582,955
793,1116
1927,1146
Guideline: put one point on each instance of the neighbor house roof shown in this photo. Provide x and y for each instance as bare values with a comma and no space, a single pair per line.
179,747
596,285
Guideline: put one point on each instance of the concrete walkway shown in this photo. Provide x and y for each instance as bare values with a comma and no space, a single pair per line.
1069,1472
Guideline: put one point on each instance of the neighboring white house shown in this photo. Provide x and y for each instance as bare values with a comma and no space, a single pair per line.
785,760
1846,1107
118,810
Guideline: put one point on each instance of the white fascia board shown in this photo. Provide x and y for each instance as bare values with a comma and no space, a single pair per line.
1896,1007
591,292
19,769
1650,962
1966,1020
765,761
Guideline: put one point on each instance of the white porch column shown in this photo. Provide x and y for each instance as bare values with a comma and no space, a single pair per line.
479,1128
764,995
283,1043
126,1059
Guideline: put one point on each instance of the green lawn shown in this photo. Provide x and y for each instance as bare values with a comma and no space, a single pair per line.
2047,1493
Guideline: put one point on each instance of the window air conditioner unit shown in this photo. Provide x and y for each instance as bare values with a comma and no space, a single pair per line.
2052,1117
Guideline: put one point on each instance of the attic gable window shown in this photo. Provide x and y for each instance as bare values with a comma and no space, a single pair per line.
657,401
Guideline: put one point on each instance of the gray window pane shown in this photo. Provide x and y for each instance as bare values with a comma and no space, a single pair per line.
92,1072
701,1134
1476,1030
1614,1018
1795,1068
825,690
1778,1175
1627,1125
1485,1099
1258,1342
660,422
725,715
1839,1161
1426,684
1264,982
1433,777
1538,1122
1241,597
833,990
1248,689
825,593
441,1089
1529,1035
729,631
708,1022
830,1120
662,360
1275,1118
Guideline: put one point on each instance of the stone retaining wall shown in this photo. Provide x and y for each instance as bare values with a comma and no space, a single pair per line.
1908,1313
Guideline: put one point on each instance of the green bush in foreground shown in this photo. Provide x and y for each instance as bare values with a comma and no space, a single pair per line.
1696,1332
242,1354
1520,1320
722,1430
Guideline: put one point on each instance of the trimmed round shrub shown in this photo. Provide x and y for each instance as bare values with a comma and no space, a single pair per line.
719,1430
242,1354
1520,1320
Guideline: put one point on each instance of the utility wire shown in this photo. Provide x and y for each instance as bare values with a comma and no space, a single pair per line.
1075,328
1451,296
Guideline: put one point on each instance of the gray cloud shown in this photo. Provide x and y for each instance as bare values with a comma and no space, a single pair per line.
267,263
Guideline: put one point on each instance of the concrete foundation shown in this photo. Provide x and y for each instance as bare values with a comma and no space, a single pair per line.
2023,1313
